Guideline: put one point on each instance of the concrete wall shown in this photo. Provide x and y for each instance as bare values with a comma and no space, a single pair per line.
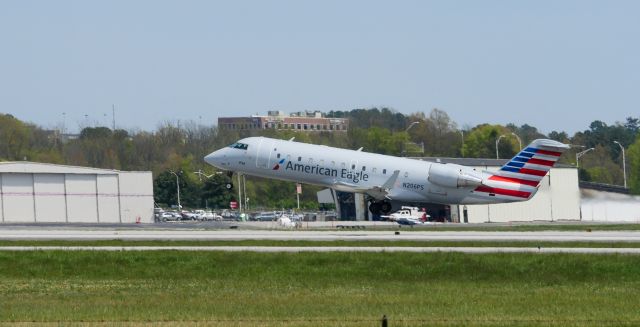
56,195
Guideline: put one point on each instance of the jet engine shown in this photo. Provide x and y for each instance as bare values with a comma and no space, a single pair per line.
453,176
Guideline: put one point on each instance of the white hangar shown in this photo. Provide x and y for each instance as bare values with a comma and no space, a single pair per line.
38,192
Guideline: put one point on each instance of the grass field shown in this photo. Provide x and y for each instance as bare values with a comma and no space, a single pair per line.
319,289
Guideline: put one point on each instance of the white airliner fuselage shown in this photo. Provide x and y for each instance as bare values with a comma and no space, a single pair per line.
387,179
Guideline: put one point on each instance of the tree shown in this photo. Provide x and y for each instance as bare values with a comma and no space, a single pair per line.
633,158
481,142
215,194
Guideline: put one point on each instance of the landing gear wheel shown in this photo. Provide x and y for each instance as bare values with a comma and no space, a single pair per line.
374,207
385,207
228,186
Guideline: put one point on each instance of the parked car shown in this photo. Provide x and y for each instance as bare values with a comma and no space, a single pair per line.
188,215
229,215
167,216
211,216
198,214
266,216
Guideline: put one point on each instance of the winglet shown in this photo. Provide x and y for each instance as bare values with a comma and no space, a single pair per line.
291,139
391,181
360,149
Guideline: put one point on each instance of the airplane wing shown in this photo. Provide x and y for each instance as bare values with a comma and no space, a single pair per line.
376,192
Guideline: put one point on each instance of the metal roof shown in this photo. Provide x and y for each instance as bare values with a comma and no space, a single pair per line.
46,168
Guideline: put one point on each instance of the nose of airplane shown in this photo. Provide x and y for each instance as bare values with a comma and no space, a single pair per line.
212,158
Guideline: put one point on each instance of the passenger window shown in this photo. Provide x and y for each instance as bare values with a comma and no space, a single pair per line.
353,167
278,155
364,168
344,165
333,163
406,174
384,171
299,158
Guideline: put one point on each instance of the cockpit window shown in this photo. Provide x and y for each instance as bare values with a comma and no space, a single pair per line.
239,145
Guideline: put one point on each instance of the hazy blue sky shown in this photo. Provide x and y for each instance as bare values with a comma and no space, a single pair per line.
557,65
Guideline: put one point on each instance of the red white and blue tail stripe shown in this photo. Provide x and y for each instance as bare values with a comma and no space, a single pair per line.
519,179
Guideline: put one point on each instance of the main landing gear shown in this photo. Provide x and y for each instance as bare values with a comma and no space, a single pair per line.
380,207
229,186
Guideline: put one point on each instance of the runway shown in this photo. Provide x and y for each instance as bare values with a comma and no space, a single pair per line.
298,249
95,234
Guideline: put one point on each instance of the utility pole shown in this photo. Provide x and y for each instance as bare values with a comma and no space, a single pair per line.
113,115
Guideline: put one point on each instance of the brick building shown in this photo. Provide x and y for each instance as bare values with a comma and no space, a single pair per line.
301,121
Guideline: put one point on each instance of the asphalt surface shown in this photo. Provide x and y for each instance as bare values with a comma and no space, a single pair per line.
178,234
297,249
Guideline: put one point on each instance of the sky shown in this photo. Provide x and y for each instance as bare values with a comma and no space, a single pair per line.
556,65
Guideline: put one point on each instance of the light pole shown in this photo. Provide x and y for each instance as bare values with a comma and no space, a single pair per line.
462,146
624,166
498,142
240,191
244,191
411,125
580,154
178,188
519,140
200,173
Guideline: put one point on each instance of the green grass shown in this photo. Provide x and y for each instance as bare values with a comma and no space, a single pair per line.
401,243
319,289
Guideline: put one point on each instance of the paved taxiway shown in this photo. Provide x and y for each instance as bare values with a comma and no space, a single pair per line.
93,234
296,249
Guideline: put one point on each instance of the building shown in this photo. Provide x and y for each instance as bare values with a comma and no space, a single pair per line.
38,192
558,198
608,203
301,121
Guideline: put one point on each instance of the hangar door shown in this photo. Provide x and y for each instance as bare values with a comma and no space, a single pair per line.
82,201
17,198
49,198
108,199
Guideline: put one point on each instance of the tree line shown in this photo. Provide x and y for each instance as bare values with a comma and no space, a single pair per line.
179,147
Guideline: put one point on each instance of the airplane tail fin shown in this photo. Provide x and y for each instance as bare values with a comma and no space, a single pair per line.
521,176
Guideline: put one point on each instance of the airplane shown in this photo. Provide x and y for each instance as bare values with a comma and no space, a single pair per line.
408,216
389,181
